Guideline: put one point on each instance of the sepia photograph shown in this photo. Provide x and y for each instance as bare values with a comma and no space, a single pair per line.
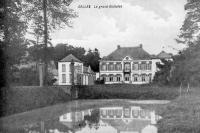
100,66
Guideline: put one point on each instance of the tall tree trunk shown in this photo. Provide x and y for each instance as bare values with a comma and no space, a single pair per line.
5,44
45,41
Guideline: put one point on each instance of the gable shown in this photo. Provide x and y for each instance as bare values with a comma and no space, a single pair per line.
69,58
127,58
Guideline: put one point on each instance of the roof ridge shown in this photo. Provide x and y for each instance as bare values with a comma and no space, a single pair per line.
69,57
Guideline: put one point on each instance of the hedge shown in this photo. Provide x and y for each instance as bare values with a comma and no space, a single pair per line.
127,91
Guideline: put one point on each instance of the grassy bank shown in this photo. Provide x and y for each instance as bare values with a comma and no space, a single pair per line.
20,99
182,115
127,91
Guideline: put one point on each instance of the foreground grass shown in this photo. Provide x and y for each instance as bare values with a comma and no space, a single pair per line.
182,115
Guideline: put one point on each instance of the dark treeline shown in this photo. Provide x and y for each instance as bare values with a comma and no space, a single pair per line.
89,58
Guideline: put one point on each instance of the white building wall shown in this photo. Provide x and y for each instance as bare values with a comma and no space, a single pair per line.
67,72
139,72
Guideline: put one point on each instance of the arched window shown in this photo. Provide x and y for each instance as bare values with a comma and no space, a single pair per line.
118,77
143,77
103,77
111,77
135,78
127,77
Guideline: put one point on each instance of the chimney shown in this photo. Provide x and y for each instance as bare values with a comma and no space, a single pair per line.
140,45
118,46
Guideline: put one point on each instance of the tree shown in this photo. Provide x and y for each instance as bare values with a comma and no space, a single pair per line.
92,59
62,50
163,76
187,66
12,30
54,13
191,26
187,62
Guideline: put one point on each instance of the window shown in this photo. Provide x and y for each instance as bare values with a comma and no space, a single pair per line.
63,78
111,67
149,66
118,113
135,66
118,67
143,77
127,78
104,67
143,66
111,79
135,78
127,66
118,78
107,79
139,66
63,68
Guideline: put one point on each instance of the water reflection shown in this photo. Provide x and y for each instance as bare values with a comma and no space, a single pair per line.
119,119
131,119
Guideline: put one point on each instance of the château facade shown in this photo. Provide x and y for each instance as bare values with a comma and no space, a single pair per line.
128,65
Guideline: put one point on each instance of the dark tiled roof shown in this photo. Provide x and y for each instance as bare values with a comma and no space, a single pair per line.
164,55
69,59
133,52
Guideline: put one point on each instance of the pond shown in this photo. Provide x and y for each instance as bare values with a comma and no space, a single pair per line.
93,116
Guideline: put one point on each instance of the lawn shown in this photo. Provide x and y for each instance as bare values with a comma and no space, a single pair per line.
182,115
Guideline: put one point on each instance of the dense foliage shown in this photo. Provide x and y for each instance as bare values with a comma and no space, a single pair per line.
91,57
184,70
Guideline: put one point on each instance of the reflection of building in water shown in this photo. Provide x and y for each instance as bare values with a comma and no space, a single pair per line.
74,116
130,119
117,119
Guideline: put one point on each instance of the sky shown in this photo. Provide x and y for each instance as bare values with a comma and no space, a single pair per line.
153,23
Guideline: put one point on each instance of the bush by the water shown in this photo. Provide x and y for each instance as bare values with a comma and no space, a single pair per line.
20,99
127,91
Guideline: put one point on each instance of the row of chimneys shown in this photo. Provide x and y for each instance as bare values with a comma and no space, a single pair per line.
118,46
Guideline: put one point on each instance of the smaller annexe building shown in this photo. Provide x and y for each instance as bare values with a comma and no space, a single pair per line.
81,74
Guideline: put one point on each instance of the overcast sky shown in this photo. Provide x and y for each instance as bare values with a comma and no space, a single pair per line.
154,23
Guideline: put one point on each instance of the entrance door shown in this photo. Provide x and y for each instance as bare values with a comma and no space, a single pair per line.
127,78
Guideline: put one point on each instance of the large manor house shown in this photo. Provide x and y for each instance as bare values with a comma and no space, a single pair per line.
130,65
